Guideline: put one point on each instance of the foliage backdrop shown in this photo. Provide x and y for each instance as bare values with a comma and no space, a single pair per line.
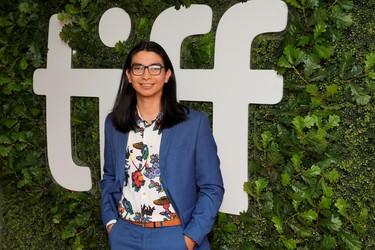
311,157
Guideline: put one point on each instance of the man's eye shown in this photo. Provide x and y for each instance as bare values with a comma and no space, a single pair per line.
154,67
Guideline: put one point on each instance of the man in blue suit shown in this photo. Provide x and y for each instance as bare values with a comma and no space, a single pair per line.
162,186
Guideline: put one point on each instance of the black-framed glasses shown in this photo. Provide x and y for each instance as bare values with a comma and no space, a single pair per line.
153,69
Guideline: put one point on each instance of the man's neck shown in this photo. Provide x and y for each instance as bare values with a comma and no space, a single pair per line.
148,110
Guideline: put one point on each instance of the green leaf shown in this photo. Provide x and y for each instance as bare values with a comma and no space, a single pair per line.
260,184
332,175
325,51
309,121
327,190
285,179
5,140
294,3
325,203
23,63
332,224
296,161
320,28
332,89
230,227
71,9
289,243
346,61
300,230
350,241
370,62
5,151
247,189
341,206
293,54
298,123
346,4
83,23
328,243
359,95
342,20
309,216
266,138
311,64
312,3
283,62
278,224
333,121
304,40
312,172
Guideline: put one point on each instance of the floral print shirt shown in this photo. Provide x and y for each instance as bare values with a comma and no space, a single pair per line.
143,197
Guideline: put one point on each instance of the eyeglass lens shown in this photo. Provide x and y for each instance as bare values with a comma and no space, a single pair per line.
153,69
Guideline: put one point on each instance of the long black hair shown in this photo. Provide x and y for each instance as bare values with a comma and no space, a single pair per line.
124,109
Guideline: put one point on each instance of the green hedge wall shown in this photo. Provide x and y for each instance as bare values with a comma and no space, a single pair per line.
311,157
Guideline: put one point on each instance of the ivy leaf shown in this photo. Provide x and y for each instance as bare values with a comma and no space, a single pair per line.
341,206
289,243
332,176
324,51
278,224
309,216
325,203
328,243
350,241
332,224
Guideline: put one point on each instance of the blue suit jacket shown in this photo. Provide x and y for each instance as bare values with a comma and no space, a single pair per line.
190,173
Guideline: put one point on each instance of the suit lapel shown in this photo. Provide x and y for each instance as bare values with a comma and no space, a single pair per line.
166,140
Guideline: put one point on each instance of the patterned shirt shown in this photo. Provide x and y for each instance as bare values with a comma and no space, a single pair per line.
143,198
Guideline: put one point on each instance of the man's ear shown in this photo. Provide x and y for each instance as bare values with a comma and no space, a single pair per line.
127,73
168,74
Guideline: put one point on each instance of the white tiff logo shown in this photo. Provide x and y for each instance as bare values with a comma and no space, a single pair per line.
231,85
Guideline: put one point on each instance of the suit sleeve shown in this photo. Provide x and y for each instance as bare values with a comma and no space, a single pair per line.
209,181
107,184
